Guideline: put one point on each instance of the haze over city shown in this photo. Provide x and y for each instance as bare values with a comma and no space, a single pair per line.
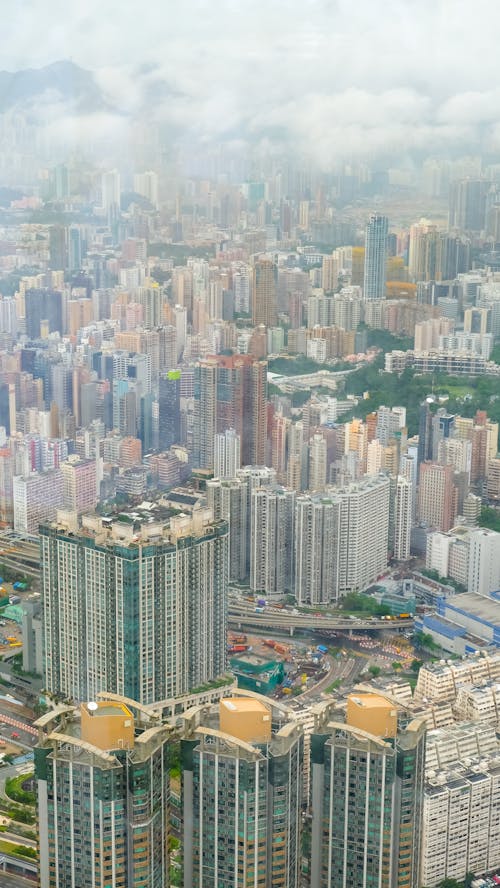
249,445
328,80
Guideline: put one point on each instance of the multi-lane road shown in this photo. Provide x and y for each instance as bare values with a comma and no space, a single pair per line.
242,613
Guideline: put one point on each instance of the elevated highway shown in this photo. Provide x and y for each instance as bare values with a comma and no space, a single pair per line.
242,615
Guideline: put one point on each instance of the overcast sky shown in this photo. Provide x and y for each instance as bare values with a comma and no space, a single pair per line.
332,76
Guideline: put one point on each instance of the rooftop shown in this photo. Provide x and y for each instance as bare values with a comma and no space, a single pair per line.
485,609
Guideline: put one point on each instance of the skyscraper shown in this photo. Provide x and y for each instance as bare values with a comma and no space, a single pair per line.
403,507
111,190
228,500
375,257
169,413
103,790
43,305
231,393
242,773
341,540
367,773
437,496
271,540
227,458
134,606
147,185
264,293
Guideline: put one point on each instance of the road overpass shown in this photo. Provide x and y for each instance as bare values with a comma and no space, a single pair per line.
240,615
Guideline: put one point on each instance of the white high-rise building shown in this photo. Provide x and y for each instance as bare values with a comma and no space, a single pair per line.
402,519
341,540
37,497
241,288
461,803
317,463
228,501
111,190
146,184
484,561
375,257
374,454
390,421
272,517
8,315
227,459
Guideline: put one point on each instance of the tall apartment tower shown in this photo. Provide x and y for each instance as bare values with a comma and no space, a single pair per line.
135,607
403,510
375,257
317,463
231,393
242,778
205,424
341,540
264,293
227,459
111,190
484,561
271,540
437,496
367,775
228,501
147,184
103,788
169,411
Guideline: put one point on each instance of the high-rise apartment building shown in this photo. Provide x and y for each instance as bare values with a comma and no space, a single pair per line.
424,252
79,484
437,496
242,776
461,805
102,774
467,204
36,498
136,607
272,517
367,774
375,257
341,540
231,393
111,190
43,305
228,500
403,509
317,463
169,412
264,293
484,561
146,184
227,459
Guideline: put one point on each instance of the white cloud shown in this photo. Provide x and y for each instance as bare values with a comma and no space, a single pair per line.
332,76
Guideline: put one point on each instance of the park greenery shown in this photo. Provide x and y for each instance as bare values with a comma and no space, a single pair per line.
357,603
14,789
490,518
460,395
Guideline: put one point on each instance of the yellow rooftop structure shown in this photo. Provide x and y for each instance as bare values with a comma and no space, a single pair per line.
107,725
372,713
245,719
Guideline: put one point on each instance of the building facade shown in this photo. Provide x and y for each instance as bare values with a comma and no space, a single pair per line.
103,794
139,609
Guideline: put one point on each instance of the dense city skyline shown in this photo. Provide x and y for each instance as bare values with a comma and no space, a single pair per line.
249,445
